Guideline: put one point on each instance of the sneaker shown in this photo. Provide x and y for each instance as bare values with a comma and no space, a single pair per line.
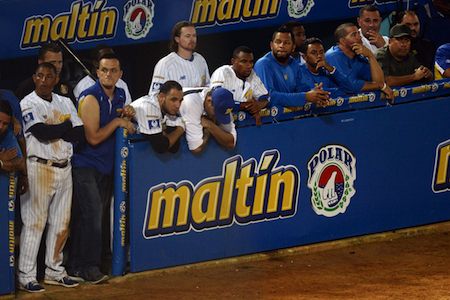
76,276
32,287
94,276
66,281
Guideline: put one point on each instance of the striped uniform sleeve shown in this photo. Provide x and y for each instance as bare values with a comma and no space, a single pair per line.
205,78
159,76
259,90
30,111
218,77
148,115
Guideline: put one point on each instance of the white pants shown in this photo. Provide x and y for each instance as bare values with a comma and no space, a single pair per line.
48,200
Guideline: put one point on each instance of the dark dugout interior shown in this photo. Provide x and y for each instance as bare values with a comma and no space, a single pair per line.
139,60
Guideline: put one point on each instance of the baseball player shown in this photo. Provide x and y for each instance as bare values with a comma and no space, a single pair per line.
50,124
51,53
159,110
208,114
87,81
183,64
240,79
11,159
442,64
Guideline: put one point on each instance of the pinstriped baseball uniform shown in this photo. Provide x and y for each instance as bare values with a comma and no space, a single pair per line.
87,82
149,116
242,90
189,73
192,110
50,187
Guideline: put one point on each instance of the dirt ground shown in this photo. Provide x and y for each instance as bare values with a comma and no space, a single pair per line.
407,264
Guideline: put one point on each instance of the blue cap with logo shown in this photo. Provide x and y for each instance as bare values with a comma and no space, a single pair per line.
223,103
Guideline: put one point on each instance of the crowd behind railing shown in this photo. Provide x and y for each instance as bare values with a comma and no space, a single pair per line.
60,140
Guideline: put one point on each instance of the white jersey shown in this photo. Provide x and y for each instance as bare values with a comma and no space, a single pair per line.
188,73
371,47
192,110
149,116
243,91
37,110
87,82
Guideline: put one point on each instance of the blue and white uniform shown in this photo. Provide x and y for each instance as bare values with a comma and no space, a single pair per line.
243,90
49,198
442,60
188,72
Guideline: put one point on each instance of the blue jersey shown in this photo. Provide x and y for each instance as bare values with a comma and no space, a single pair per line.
100,157
357,69
282,81
9,141
331,81
442,60
15,106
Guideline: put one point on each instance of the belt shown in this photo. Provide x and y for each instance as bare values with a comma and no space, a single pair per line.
48,162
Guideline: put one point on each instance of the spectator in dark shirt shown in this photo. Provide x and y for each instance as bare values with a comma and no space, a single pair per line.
423,49
400,66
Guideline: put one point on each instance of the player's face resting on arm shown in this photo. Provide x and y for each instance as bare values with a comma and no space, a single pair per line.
172,101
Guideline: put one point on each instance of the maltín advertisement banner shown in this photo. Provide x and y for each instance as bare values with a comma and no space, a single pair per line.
291,183
25,24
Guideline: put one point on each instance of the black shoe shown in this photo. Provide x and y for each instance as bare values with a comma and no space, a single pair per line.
94,276
32,287
75,276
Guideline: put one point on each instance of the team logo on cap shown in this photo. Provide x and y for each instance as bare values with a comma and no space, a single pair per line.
299,8
332,171
138,18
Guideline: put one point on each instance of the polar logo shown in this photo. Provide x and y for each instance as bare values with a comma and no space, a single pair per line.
299,8
332,171
138,18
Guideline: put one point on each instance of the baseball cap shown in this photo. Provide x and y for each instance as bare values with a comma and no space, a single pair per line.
223,103
400,30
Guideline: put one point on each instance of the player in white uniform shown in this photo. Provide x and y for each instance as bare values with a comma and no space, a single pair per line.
183,65
158,117
50,124
242,81
208,114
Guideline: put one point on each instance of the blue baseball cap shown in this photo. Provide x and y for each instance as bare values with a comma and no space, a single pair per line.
223,103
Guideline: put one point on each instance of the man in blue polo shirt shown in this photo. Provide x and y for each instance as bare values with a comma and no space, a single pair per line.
281,74
356,61
317,71
98,108
442,64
